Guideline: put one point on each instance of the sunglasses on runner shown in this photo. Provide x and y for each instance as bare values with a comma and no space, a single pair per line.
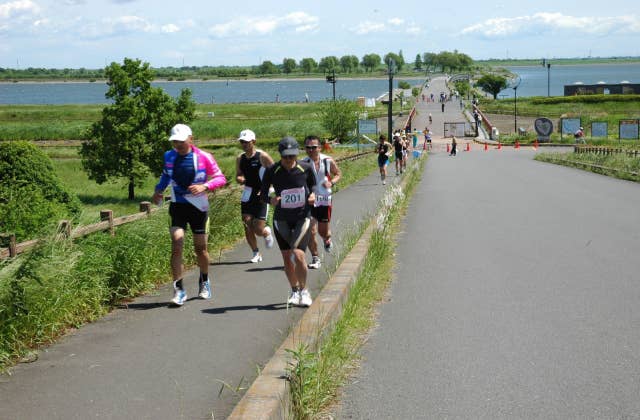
311,147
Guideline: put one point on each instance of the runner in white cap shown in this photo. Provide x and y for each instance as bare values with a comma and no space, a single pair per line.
191,173
250,167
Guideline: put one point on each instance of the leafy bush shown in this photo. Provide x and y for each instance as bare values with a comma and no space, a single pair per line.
32,197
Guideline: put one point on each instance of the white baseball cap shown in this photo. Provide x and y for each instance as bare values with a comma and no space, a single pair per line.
247,135
180,132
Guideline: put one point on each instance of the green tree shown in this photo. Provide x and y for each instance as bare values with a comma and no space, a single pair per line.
32,197
429,60
130,139
329,63
308,65
397,58
349,63
418,63
492,83
339,117
267,67
371,61
288,65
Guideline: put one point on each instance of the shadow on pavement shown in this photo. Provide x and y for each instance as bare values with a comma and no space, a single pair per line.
271,307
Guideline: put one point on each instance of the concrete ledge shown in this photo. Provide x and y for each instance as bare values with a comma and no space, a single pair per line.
268,397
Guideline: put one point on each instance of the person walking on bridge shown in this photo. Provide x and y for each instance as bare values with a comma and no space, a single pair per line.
293,182
250,167
327,174
191,173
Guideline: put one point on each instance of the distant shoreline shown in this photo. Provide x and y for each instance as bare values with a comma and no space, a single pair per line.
219,80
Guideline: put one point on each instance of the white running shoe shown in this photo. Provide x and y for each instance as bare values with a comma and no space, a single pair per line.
179,296
294,298
305,298
257,257
268,240
315,262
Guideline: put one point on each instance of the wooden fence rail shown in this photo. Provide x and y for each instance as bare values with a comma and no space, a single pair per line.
605,150
108,222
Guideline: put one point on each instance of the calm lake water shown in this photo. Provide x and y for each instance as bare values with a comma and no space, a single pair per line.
533,83
203,92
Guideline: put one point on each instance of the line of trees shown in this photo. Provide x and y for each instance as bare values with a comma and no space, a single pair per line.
445,61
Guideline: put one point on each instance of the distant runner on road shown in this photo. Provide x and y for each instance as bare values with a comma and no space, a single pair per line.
250,167
293,182
327,174
191,173
383,148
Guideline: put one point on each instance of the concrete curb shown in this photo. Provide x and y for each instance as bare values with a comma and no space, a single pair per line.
268,396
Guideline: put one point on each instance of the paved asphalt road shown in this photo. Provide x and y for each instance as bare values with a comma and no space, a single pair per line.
517,296
149,361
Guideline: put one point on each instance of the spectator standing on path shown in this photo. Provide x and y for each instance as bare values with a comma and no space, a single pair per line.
191,173
398,146
250,167
415,138
383,148
327,174
293,182
443,107
454,144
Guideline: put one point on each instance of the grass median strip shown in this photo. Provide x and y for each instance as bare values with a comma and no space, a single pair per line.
620,166
316,377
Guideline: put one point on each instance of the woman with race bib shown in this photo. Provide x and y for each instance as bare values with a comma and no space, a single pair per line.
293,182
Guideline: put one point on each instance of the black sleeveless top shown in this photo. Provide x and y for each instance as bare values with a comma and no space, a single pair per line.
250,168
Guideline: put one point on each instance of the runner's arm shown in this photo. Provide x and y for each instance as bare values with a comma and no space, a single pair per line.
239,174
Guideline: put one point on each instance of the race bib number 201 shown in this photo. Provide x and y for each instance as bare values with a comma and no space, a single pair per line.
292,198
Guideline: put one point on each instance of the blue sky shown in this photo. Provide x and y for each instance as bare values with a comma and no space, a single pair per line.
93,33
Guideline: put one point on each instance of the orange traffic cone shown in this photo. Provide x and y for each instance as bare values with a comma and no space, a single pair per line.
517,145
468,149
535,145
499,146
447,147
486,146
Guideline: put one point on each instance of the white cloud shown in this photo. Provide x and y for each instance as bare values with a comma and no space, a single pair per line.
368,27
296,21
394,25
170,28
540,23
122,25
18,8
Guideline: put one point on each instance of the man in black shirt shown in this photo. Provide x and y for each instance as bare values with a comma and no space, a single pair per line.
293,182
250,167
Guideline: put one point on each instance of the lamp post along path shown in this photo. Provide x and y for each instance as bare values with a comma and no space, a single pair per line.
390,71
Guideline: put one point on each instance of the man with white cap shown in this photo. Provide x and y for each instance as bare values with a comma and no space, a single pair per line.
250,167
293,183
191,173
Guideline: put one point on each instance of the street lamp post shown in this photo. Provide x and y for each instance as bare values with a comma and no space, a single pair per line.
548,79
332,79
547,64
390,71
514,86
515,109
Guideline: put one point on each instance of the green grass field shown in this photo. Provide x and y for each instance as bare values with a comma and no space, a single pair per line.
70,122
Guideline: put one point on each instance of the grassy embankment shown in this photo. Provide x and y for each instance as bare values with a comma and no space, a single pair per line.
589,108
63,284
606,108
